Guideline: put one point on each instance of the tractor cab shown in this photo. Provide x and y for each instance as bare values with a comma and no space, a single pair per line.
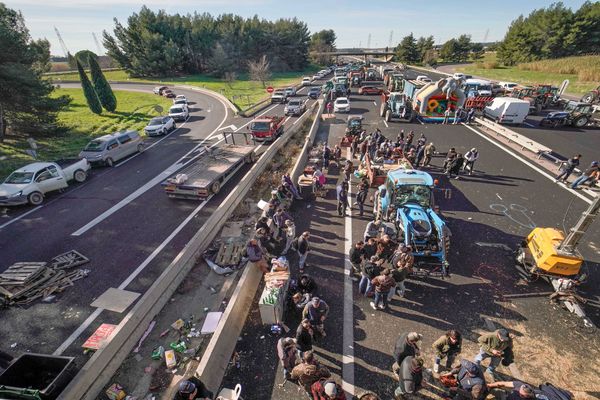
577,108
354,125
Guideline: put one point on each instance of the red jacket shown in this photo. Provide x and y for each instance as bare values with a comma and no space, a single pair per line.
318,391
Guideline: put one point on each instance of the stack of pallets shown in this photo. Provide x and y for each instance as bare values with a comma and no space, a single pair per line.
24,282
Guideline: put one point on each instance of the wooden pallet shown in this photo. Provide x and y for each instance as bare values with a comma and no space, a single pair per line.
21,273
230,252
70,259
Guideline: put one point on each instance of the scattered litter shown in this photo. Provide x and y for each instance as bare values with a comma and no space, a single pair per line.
178,324
469,218
205,309
212,289
49,299
100,337
262,337
115,392
13,345
170,359
179,347
144,336
149,369
138,357
211,321
217,268
158,353
308,206
190,352
165,333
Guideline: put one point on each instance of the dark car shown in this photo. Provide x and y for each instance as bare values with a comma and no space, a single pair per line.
168,93
369,90
314,92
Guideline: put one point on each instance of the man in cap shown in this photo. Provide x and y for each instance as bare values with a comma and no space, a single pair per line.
327,389
309,371
316,312
471,382
497,346
192,388
406,345
518,390
410,377
303,248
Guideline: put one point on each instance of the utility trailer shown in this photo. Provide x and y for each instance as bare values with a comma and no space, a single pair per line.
206,175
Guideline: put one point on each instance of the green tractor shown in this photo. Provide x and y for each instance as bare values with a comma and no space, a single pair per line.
396,105
575,114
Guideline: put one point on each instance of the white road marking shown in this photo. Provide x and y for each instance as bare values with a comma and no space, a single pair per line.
348,329
529,164
301,89
528,124
19,217
386,124
230,127
374,103
287,119
497,245
129,279
296,121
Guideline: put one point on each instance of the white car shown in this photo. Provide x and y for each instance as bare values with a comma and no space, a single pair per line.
341,104
160,126
316,77
180,99
179,112
459,75
423,78
508,86
30,183
306,81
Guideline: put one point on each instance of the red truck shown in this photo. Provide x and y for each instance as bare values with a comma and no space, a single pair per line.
266,128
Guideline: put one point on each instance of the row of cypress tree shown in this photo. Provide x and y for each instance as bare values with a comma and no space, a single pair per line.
98,92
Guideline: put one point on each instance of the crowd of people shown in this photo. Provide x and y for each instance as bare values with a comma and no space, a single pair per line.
590,176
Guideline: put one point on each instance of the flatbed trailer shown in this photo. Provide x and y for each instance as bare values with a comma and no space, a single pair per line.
205,176
377,172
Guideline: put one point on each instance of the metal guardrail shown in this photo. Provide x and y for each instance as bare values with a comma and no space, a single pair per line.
515,137
98,371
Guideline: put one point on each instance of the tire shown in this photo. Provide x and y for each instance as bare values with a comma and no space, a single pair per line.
140,148
79,176
580,122
173,127
388,115
215,187
35,198
109,162
588,98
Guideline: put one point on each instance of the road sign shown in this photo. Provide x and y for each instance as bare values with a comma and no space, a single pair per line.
270,89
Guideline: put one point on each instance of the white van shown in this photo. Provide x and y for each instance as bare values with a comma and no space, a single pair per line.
477,87
507,110
109,149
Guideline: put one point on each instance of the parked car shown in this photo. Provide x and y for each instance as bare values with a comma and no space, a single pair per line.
160,126
497,90
108,149
423,78
180,102
168,93
459,75
290,91
306,81
369,90
30,183
180,98
179,112
316,77
314,92
341,104
278,96
508,86
507,110
159,90
295,107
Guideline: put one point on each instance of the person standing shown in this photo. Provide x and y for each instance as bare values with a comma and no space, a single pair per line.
383,284
404,258
287,354
406,345
448,346
429,153
309,371
447,114
337,153
470,157
455,165
400,273
290,235
327,389
587,175
457,115
498,347
326,155
303,249
354,147
450,155
348,170
361,196
192,388
410,377
316,312
356,259
568,168
342,198
256,255
370,270
470,115
304,337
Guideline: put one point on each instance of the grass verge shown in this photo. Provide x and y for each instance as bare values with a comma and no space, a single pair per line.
242,92
133,112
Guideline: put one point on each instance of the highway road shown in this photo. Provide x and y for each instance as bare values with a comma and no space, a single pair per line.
121,219
489,213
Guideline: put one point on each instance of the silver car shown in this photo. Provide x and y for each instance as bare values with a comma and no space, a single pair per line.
179,112
109,149
160,126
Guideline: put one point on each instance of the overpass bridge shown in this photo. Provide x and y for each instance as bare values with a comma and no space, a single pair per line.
364,53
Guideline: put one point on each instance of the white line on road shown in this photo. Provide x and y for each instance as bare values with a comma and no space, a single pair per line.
129,279
386,124
296,121
348,329
524,161
19,217
287,119
374,103
528,124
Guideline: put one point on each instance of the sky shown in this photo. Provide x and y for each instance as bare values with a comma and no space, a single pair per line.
352,20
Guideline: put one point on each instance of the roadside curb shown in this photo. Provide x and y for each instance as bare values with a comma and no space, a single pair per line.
210,93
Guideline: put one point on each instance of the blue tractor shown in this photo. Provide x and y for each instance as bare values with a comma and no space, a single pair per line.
406,200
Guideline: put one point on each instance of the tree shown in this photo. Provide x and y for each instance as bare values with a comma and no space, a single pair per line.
88,91
407,50
450,51
424,45
26,105
477,51
103,90
464,47
83,56
260,70
585,30
323,42
220,63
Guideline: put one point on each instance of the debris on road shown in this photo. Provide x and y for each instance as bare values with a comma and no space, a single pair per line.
24,282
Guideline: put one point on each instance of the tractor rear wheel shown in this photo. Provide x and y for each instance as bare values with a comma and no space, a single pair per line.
589,97
580,122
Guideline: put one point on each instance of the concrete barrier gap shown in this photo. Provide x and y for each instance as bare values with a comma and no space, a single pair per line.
98,371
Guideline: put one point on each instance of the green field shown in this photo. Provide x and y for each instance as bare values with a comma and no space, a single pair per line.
133,112
242,92
580,71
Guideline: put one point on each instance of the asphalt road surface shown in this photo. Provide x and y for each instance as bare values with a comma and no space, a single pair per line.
121,219
489,213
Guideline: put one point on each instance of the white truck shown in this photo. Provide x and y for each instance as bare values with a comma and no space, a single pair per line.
507,110
30,183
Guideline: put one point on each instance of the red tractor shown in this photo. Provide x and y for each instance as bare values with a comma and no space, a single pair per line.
592,97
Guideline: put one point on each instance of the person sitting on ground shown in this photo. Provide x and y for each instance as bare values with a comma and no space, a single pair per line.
266,242
309,371
275,202
399,273
316,312
410,377
287,354
448,346
270,211
286,181
256,255
518,390
279,219
307,285
471,382
327,389
192,388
